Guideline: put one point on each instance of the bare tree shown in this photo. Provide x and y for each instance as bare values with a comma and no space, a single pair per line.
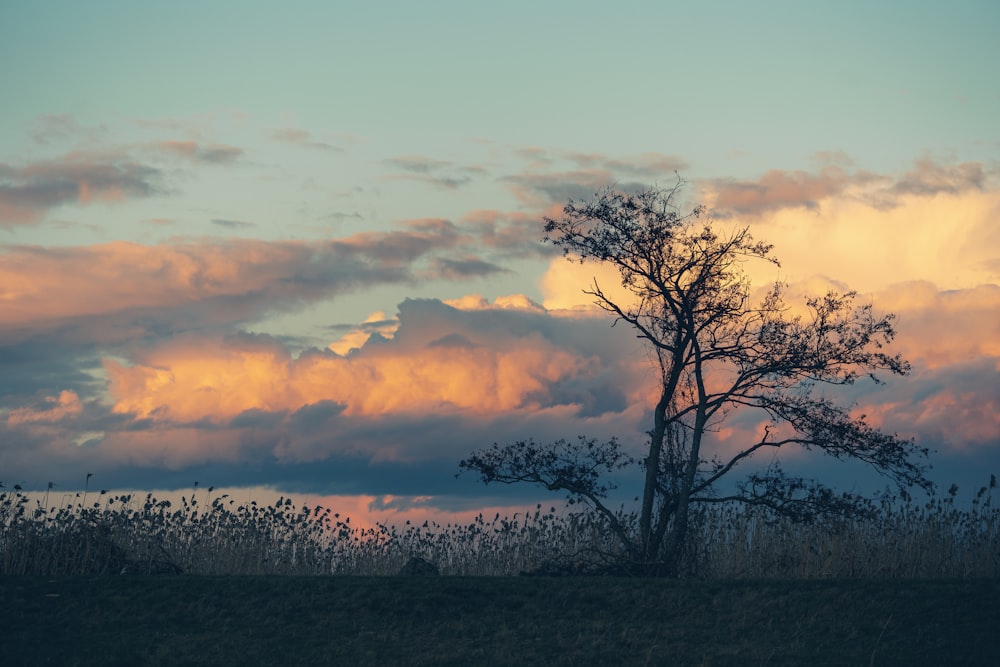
718,352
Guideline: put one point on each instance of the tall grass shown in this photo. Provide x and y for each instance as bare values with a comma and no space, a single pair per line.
128,533
895,539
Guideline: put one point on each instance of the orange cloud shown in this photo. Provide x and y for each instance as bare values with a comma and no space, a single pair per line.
564,282
933,229
431,365
54,409
117,290
944,328
40,285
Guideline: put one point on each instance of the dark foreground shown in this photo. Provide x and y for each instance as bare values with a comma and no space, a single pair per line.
185,620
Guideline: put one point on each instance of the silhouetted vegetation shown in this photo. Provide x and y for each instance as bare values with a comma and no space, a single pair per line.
125,534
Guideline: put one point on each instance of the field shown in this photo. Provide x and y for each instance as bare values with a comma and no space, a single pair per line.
200,620
130,580
206,534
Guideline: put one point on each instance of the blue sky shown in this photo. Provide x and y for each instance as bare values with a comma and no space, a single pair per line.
177,175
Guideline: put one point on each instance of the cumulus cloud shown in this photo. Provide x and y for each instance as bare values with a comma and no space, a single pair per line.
115,292
442,381
508,301
393,414
949,332
355,336
390,406
936,223
440,359
942,328
953,409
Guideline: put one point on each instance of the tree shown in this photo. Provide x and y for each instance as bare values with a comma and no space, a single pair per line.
718,352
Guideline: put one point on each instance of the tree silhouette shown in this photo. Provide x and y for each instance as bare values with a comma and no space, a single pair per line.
718,352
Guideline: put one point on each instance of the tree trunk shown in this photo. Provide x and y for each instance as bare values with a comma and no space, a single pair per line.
652,471
677,536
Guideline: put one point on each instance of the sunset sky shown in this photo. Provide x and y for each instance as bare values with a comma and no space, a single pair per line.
297,246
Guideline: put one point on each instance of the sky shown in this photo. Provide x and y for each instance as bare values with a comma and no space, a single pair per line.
296,248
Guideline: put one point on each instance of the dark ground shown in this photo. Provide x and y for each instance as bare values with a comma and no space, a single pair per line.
188,620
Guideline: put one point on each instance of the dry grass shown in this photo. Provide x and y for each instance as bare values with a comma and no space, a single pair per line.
112,534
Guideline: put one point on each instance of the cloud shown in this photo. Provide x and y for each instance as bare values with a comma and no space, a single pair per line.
429,170
421,369
121,291
97,169
951,240
302,139
394,414
417,164
940,329
564,282
81,177
778,190
377,324
233,224
648,166
52,128
111,293
544,189
553,178
133,359
506,302
510,233
447,380
465,267
951,336
954,410
199,152
28,192
929,178
417,239
53,409
341,216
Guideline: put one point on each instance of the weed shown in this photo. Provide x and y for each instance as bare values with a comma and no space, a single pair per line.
127,533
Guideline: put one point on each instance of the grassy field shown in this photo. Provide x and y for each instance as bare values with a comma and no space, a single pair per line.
212,535
200,620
